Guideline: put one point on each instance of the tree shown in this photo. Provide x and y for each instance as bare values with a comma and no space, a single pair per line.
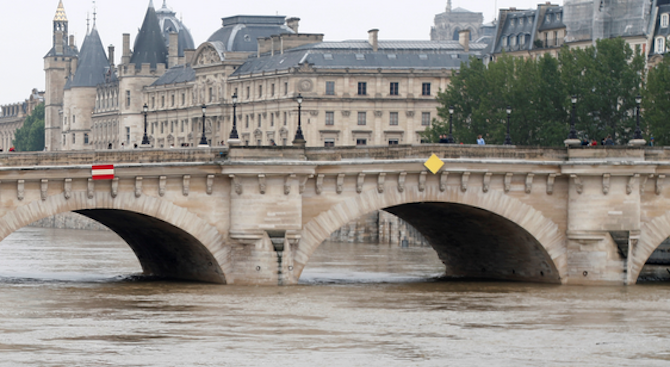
30,137
656,103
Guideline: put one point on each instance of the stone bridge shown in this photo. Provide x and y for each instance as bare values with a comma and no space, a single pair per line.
253,215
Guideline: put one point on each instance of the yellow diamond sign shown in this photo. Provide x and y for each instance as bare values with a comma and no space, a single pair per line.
434,164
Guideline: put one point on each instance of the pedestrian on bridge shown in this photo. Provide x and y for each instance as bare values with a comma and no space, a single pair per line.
480,140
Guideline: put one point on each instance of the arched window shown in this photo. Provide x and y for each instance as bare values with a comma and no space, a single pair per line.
455,37
660,45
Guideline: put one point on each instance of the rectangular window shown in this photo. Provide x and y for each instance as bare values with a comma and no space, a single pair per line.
285,88
285,120
660,48
393,141
183,99
425,89
260,91
330,88
153,103
182,126
74,138
259,119
393,119
248,92
85,138
272,89
272,119
425,119
246,122
172,100
362,88
394,89
172,127
127,98
361,141
330,118
329,143
162,101
665,19
127,135
362,118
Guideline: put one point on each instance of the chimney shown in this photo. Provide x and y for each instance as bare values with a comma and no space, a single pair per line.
125,59
293,23
464,39
72,40
374,39
173,52
59,42
188,55
110,53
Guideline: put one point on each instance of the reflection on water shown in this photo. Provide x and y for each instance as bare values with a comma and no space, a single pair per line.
66,300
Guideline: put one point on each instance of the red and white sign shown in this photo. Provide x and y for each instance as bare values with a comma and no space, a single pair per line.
103,172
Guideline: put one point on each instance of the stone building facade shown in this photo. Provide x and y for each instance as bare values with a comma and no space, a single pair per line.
13,115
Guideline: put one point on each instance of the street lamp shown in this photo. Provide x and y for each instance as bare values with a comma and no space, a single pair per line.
450,139
508,139
573,132
203,138
233,133
299,138
145,138
638,133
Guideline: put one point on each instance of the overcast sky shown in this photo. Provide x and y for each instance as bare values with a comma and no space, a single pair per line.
27,25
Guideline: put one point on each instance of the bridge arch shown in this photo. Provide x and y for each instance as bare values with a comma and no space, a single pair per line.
544,244
652,234
168,240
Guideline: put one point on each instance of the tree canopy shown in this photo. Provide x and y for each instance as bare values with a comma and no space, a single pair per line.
30,137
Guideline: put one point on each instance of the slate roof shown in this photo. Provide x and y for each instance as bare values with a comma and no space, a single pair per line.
660,32
240,33
168,21
553,19
517,31
93,64
149,44
175,75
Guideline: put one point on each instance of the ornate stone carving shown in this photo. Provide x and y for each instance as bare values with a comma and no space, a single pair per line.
186,185
305,85
44,187
340,183
529,183
20,189
262,184
162,184
464,181
67,188
303,183
550,183
115,187
606,183
90,188
319,183
237,184
314,113
359,182
579,186
379,113
422,181
401,181
409,113
287,183
138,186
380,182
631,183
346,113
659,184
507,183
443,181
487,182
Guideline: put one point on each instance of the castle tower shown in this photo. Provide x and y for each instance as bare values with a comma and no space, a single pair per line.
59,64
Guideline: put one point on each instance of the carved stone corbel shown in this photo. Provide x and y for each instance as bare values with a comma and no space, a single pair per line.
237,183
262,184
487,182
550,183
186,185
507,182
287,184
631,183
319,183
422,181
464,181
210,184
138,186
115,187
380,182
443,181
401,181
90,188
359,182
340,183
529,183
304,182
579,186
606,183
20,189
659,184
43,189
162,184
67,188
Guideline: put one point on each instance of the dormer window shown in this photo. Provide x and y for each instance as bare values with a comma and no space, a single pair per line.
558,17
520,21
513,22
504,41
665,18
547,18
660,45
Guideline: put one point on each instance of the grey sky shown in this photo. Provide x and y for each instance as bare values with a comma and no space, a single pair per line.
27,25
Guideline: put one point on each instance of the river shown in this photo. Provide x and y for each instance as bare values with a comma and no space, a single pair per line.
69,298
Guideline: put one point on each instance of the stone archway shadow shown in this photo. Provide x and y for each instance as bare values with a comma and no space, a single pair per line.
652,234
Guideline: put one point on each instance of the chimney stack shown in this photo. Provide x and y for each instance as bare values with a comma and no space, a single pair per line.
173,52
464,39
71,40
125,59
374,39
293,23
59,42
111,55
188,55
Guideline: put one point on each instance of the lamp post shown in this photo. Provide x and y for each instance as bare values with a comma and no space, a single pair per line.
233,133
638,132
508,139
145,138
203,138
573,132
450,138
299,138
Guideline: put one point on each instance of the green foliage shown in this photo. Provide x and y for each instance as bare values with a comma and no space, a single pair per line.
656,103
30,137
605,78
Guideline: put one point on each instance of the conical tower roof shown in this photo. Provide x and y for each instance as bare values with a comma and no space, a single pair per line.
93,63
149,44
60,13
